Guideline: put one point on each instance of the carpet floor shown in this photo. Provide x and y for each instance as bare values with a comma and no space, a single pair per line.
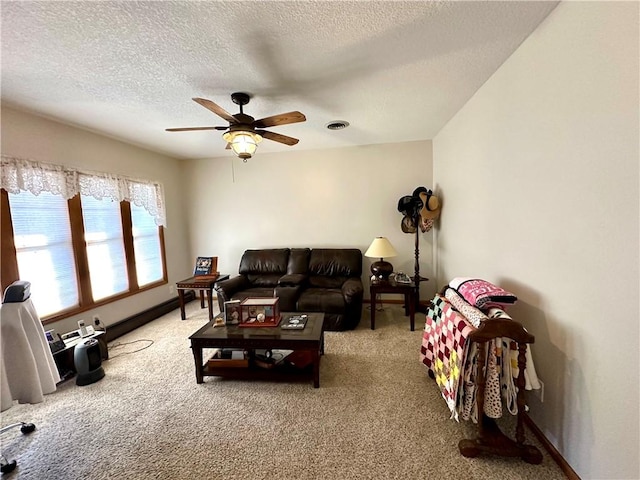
376,415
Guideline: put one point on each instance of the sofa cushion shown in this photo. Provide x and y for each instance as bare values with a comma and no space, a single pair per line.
264,262
328,300
320,281
298,261
334,262
264,280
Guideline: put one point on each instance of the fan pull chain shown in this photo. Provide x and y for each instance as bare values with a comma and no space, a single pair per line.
233,172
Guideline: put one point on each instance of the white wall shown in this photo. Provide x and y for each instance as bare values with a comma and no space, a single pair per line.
35,138
340,197
539,173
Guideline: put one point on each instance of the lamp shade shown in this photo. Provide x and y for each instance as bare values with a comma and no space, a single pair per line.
380,248
243,144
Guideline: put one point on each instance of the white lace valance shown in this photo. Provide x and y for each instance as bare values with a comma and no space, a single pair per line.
18,174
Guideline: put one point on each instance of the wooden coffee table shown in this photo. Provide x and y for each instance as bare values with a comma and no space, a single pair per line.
310,340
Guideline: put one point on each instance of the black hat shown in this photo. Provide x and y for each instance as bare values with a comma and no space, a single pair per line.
419,190
408,205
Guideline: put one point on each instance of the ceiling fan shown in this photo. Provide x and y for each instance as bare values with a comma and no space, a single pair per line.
244,132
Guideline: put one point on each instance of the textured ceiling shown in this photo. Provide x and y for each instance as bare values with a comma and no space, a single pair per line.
397,71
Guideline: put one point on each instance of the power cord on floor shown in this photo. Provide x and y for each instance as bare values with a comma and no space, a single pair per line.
379,306
124,344
101,326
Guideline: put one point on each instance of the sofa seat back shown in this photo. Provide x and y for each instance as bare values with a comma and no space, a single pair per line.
299,261
264,267
330,267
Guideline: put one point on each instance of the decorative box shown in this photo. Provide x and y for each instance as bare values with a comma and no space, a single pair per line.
260,312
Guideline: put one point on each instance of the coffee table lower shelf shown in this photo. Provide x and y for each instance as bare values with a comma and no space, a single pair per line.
252,372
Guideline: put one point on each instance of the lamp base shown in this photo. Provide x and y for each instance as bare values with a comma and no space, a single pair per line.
382,269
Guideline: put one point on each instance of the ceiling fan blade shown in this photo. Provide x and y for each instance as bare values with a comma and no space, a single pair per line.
228,147
217,109
282,119
276,137
185,129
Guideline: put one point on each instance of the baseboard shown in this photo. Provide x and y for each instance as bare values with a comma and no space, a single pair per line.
389,300
551,450
134,321
420,308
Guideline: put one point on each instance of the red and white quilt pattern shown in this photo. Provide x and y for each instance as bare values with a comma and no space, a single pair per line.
444,348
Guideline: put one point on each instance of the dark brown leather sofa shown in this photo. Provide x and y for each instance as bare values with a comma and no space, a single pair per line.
305,280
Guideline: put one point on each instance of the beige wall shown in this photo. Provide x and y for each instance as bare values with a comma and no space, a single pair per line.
340,197
331,198
39,139
539,174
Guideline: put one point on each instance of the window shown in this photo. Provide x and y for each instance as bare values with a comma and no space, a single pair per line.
146,246
79,253
44,250
82,239
105,247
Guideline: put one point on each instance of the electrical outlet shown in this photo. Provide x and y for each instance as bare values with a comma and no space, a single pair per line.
539,393
172,289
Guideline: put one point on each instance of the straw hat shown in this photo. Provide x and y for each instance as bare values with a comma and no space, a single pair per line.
430,209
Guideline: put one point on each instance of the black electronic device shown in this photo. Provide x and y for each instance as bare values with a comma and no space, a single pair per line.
55,341
402,278
17,292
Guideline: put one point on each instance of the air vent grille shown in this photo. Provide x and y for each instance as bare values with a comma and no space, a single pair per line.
337,125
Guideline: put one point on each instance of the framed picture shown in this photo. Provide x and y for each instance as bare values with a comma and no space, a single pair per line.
232,312
206,267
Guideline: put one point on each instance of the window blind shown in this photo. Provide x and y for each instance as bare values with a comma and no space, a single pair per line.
146,246
44,250
105,247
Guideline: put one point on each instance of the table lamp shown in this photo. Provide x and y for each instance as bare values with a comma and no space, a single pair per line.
381,248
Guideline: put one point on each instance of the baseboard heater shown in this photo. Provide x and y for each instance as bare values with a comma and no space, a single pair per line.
137,320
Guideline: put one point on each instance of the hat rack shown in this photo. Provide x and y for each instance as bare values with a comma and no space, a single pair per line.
421,205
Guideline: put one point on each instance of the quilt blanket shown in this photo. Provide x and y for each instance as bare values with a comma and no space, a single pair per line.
444,348
482,294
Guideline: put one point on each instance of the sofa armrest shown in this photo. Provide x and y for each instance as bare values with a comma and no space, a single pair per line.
292,280
226,289
288,296
352,289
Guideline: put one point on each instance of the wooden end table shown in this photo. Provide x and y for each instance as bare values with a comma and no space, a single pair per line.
200,284
409,291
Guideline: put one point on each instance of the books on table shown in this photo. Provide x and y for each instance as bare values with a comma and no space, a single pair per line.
206,268
294,322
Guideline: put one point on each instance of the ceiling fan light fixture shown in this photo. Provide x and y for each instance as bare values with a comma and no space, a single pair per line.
243,143
241,134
